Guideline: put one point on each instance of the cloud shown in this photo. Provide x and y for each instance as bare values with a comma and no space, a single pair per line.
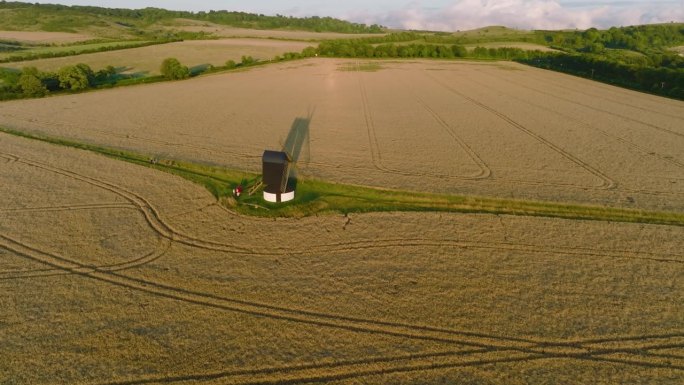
525,14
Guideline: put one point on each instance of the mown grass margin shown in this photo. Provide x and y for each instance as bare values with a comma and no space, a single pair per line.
315,196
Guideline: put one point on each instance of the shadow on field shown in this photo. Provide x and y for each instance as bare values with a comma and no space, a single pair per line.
298,141
198,69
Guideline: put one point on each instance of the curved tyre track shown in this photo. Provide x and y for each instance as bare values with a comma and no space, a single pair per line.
164,230
376,155
511,348
160,251
633,146
9,159
556,96
606,182
485,171
345,370
529,349
113,205
149,212
624,92
629,144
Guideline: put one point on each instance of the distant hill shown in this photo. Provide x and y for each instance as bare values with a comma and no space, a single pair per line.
99,21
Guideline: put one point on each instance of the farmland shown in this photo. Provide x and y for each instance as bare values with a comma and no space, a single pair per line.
43,37
491,129
110,278
456,221
192,53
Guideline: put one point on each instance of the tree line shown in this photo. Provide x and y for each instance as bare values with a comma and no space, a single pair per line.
236,19
360,49
30,82
26,56
663,81
643,38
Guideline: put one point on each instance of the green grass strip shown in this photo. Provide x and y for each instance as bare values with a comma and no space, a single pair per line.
316,196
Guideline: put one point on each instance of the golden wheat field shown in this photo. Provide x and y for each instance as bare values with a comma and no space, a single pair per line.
113,273
192,53
492,129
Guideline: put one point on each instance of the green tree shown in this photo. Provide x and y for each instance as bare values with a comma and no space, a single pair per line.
172,69
76,77
247,60
459,51
30,83
309,52
230,64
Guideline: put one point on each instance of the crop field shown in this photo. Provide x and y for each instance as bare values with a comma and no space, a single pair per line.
114,273
43,37
191,53
456,221
483,128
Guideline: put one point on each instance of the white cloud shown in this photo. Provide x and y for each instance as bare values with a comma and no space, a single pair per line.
524,14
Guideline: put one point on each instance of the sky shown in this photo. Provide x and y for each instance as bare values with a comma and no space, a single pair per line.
440,15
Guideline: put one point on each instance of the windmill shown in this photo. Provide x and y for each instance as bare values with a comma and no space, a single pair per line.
280,167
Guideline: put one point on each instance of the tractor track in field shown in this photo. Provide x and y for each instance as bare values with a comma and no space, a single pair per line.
160,251
164,230
150,213
557,96
75,207
498,246
9,159
606,182
376,154
343,370
551,81
377,161
485,171
521,349
631,145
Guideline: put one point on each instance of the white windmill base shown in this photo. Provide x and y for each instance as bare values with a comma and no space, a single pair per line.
284,197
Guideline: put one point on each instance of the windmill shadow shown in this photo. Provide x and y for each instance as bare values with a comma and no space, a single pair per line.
298,145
